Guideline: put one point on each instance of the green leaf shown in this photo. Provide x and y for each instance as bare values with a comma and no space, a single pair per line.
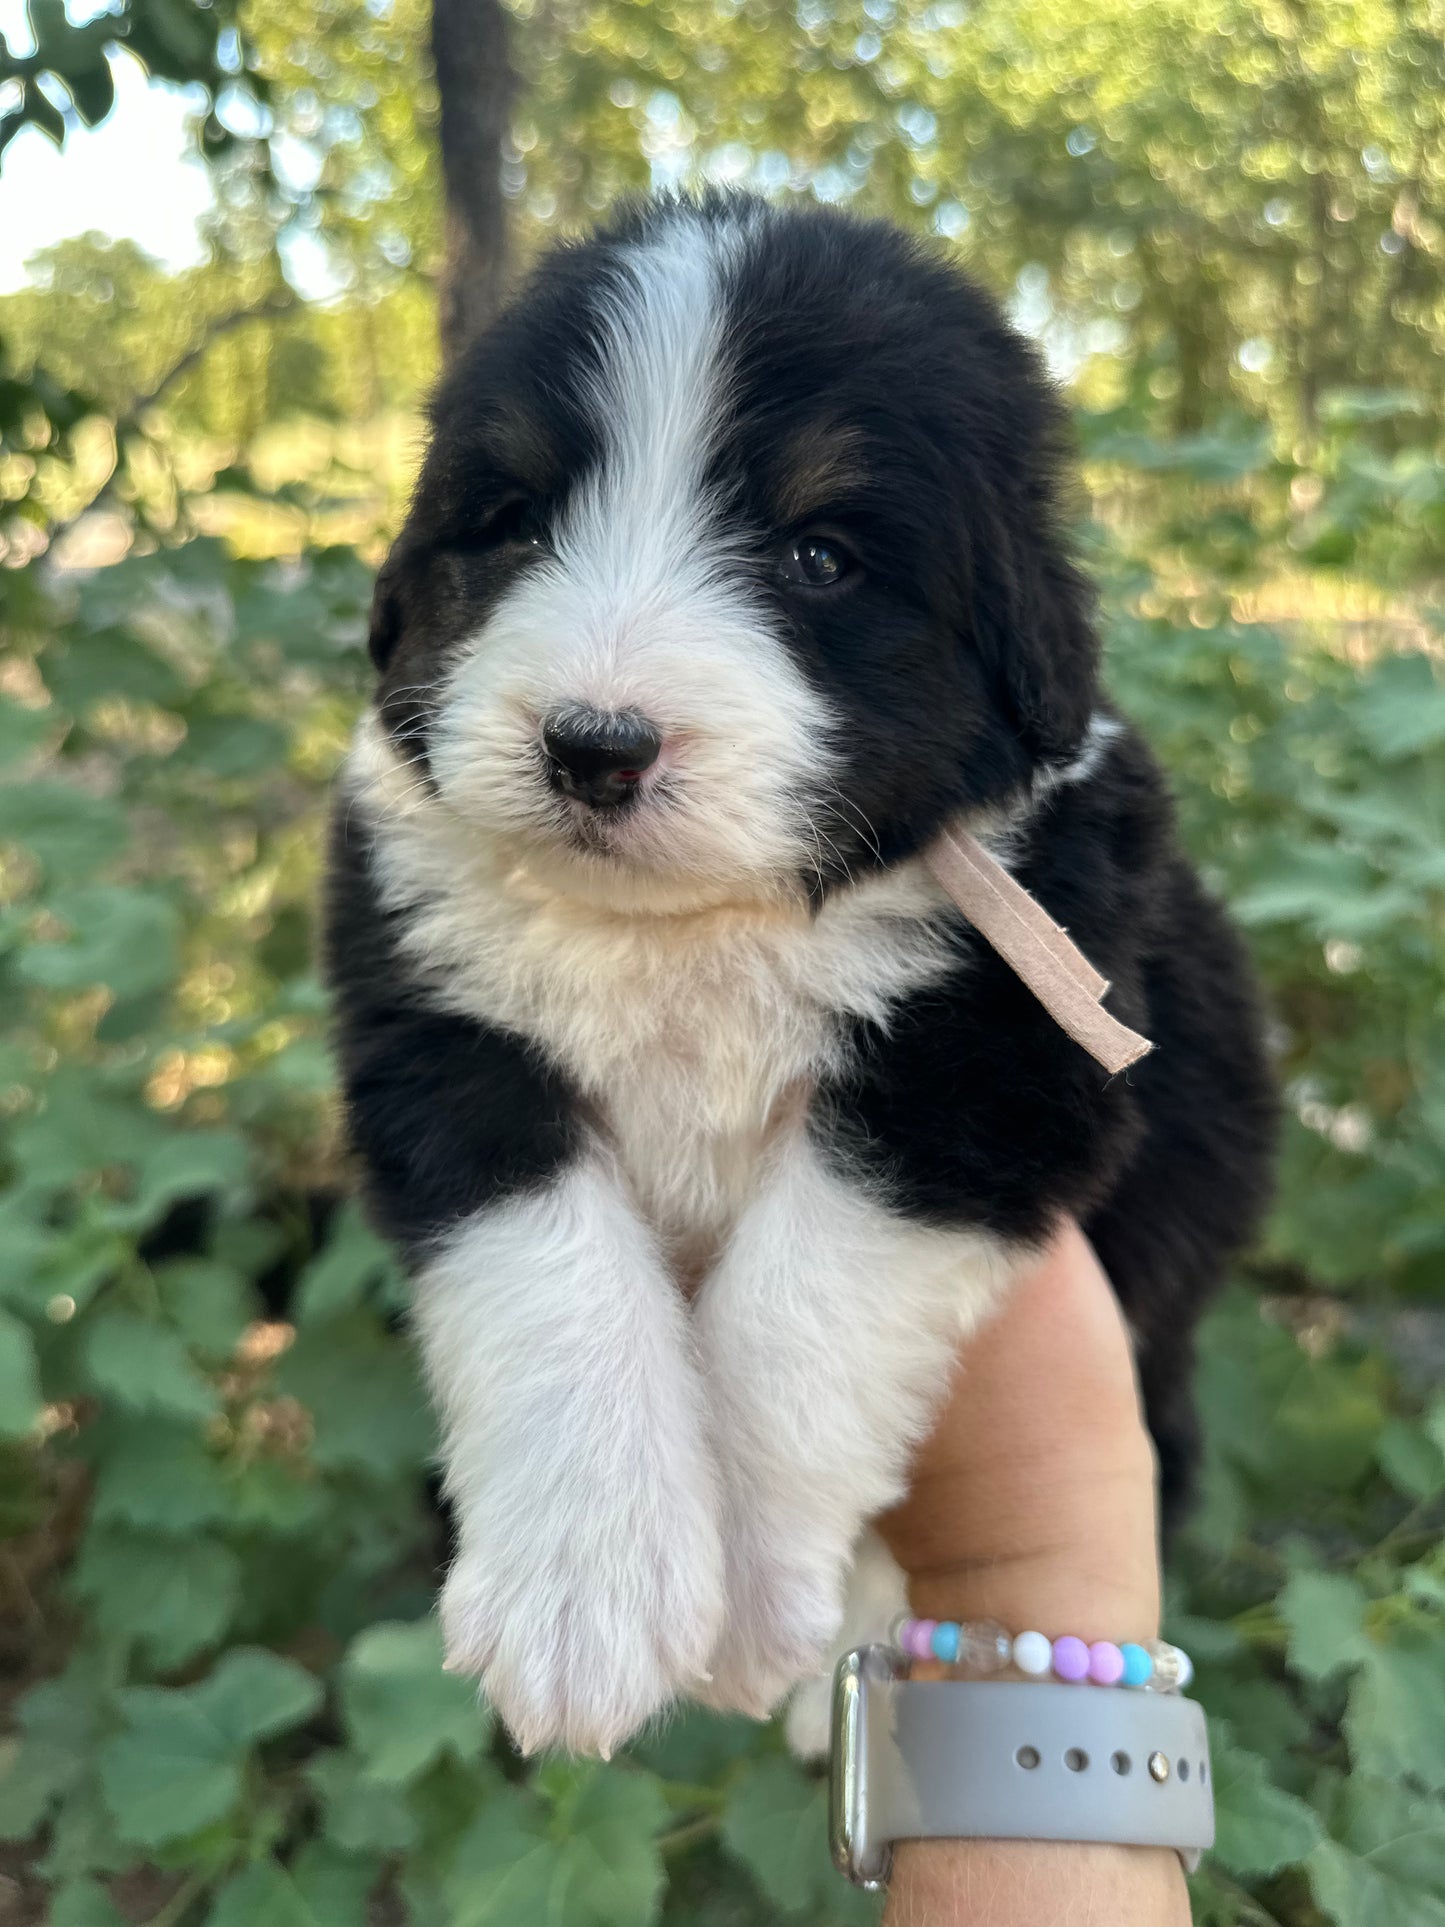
145,1365
360,1814
698,1745
109,662
1395,1721
1325,1614
254,1694
83,1839
504,1867
173,1596
61,1722
184,1164
278,1498
20,1397
361,1389
210,1303
176,1766
27,1243
776,1823
353,1259
1259,1828
156,1475
598,1866
167,1774
22,730
1262,1715
80,1128
227,747
76,1263
401,1710
71,834
1384,1865
611,1817
318,1889
1291,1420
1401,708
25,1791
1411,1460
85,1903
123,938
1331,890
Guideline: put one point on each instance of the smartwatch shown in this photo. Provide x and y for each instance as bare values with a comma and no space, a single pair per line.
991,1759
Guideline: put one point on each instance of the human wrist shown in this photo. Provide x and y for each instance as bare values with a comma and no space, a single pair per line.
1034,1883
1042,1592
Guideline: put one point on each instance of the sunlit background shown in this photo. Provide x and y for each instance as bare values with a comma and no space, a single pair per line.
219,248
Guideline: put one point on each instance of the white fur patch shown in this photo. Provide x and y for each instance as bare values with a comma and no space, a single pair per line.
1099,738
827,1333
587,1587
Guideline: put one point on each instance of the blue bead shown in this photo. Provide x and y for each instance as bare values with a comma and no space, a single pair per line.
945,1641
1138,1666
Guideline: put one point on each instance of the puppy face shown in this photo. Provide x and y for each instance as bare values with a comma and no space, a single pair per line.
733,567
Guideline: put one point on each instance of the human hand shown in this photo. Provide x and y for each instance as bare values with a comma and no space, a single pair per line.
1033,1503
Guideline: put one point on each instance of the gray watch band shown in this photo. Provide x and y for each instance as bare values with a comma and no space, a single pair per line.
964,1760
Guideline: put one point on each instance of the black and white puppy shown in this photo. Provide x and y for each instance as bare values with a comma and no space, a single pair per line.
704,1122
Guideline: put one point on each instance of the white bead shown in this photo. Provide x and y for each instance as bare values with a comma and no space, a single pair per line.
1186,1668
1033,1654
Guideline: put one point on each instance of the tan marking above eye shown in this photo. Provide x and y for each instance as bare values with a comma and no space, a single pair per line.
817,465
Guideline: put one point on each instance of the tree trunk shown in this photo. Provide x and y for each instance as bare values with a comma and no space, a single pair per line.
474,85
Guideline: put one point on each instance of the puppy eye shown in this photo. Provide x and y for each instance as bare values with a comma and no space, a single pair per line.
815,563
517,520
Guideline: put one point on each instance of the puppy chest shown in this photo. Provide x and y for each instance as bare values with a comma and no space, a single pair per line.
696,1043
693,1040
690,1077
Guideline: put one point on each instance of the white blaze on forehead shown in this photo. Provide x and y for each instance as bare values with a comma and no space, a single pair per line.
659,397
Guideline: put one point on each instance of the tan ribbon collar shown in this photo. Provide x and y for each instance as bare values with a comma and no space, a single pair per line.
1034,947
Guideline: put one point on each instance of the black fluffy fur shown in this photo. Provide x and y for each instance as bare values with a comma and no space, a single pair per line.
963,657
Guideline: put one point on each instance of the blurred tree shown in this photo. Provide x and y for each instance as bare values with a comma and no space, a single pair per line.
474,87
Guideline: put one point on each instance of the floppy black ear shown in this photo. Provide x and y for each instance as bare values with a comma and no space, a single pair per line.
1050,655
1033,619
386,611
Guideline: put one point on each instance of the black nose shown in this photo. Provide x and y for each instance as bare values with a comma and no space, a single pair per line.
598,758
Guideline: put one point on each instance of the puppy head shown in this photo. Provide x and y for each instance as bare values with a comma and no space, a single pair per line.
734,565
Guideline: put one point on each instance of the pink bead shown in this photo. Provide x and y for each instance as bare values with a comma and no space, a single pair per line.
1106,1663
1071,1658
918,1639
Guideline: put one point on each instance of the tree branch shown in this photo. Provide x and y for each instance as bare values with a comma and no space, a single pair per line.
275,305
475,87
280,302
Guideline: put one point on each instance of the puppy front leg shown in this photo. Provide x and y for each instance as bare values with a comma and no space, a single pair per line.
587,1587
827,1332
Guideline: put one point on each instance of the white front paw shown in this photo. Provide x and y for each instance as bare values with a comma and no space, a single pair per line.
784,1611
583,1626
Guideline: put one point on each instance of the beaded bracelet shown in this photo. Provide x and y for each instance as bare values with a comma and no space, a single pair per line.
983,1646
